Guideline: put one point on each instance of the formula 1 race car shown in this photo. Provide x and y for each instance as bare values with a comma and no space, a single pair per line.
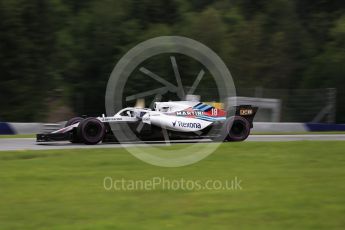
177,120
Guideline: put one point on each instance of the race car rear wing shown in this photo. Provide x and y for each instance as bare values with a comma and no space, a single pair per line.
246,111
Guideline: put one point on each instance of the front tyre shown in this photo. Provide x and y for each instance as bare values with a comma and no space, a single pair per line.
72,121
91,131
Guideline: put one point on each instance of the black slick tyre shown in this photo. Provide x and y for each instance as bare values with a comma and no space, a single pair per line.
72,121
91,131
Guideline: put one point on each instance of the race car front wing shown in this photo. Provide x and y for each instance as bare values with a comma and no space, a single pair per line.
45,137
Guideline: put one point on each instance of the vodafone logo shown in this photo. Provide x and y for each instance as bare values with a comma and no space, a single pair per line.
192,125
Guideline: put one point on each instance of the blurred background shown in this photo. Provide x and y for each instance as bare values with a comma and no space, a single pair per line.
286,55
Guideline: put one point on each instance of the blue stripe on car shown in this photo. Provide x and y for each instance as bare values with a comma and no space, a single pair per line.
199,106
206,108
202,107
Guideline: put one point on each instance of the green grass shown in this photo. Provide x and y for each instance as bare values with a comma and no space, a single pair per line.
295,185
19,136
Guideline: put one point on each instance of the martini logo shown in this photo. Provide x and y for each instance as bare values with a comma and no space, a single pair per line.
192,125
189,113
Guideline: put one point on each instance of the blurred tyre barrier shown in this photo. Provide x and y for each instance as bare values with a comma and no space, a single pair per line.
6,129
25,128
314,127
296,127
278,127
11,128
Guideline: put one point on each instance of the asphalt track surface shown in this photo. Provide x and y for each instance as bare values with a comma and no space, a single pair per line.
30,144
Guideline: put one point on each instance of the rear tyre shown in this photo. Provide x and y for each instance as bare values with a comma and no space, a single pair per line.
238,129
91,131
72,121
